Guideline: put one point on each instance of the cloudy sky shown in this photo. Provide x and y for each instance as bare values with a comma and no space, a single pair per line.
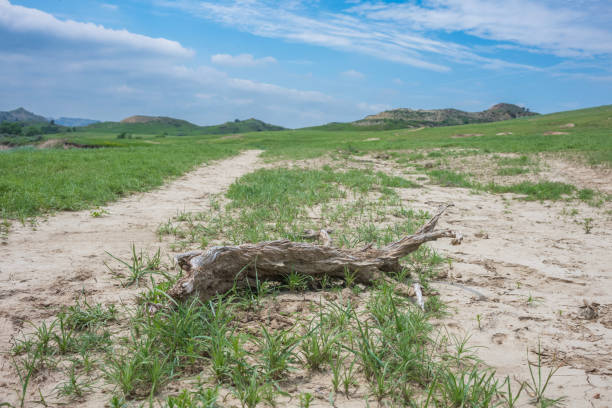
300,62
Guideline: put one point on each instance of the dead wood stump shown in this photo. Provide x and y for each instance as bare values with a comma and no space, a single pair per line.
222,268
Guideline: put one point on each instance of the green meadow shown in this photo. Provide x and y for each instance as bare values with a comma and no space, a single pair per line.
37,181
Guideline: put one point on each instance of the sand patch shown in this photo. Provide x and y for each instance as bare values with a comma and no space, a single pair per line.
461,135
549,133
231,137
372,139
567,126
51,143
503,133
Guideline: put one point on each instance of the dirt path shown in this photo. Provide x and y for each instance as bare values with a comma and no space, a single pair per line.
43,268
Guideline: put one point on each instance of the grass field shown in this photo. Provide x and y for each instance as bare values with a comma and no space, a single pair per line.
38,181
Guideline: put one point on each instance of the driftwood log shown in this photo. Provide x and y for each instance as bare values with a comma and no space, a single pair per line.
222,268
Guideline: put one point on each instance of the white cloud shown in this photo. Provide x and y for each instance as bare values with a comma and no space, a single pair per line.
108,6
270,19
20,19
352,74
409,32
209,76
397,81
241,60
554,28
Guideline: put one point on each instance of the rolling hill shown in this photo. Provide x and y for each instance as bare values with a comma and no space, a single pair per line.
408,118
21,115
162,124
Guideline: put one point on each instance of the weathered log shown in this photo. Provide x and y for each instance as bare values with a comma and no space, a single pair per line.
221,268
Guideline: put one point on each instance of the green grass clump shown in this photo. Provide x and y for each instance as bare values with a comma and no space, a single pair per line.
449,178
512,171
543,190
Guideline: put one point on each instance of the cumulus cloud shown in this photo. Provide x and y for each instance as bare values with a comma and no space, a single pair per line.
241,60
352,74
19,19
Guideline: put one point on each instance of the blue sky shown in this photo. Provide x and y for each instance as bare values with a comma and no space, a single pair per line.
300,62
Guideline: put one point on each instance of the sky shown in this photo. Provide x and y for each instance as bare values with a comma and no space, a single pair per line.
299,63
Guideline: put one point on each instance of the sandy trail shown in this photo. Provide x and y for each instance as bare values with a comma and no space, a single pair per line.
47,267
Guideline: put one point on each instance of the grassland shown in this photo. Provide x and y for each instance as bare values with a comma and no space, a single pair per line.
590,136
36,181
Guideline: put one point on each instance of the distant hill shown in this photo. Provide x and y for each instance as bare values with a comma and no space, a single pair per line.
74,122
162,124
240,126
21,115
409,118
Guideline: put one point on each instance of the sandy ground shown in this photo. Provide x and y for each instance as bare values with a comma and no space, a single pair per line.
45,267
532,263
534,267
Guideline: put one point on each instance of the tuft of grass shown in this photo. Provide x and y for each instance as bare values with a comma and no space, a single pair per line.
539,383
318,344
512,171
543,190
277,351
84,316
448,178
139,265
587,223
201,398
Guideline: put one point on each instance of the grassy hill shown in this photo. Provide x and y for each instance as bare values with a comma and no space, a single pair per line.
21,115
408,118
158,125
